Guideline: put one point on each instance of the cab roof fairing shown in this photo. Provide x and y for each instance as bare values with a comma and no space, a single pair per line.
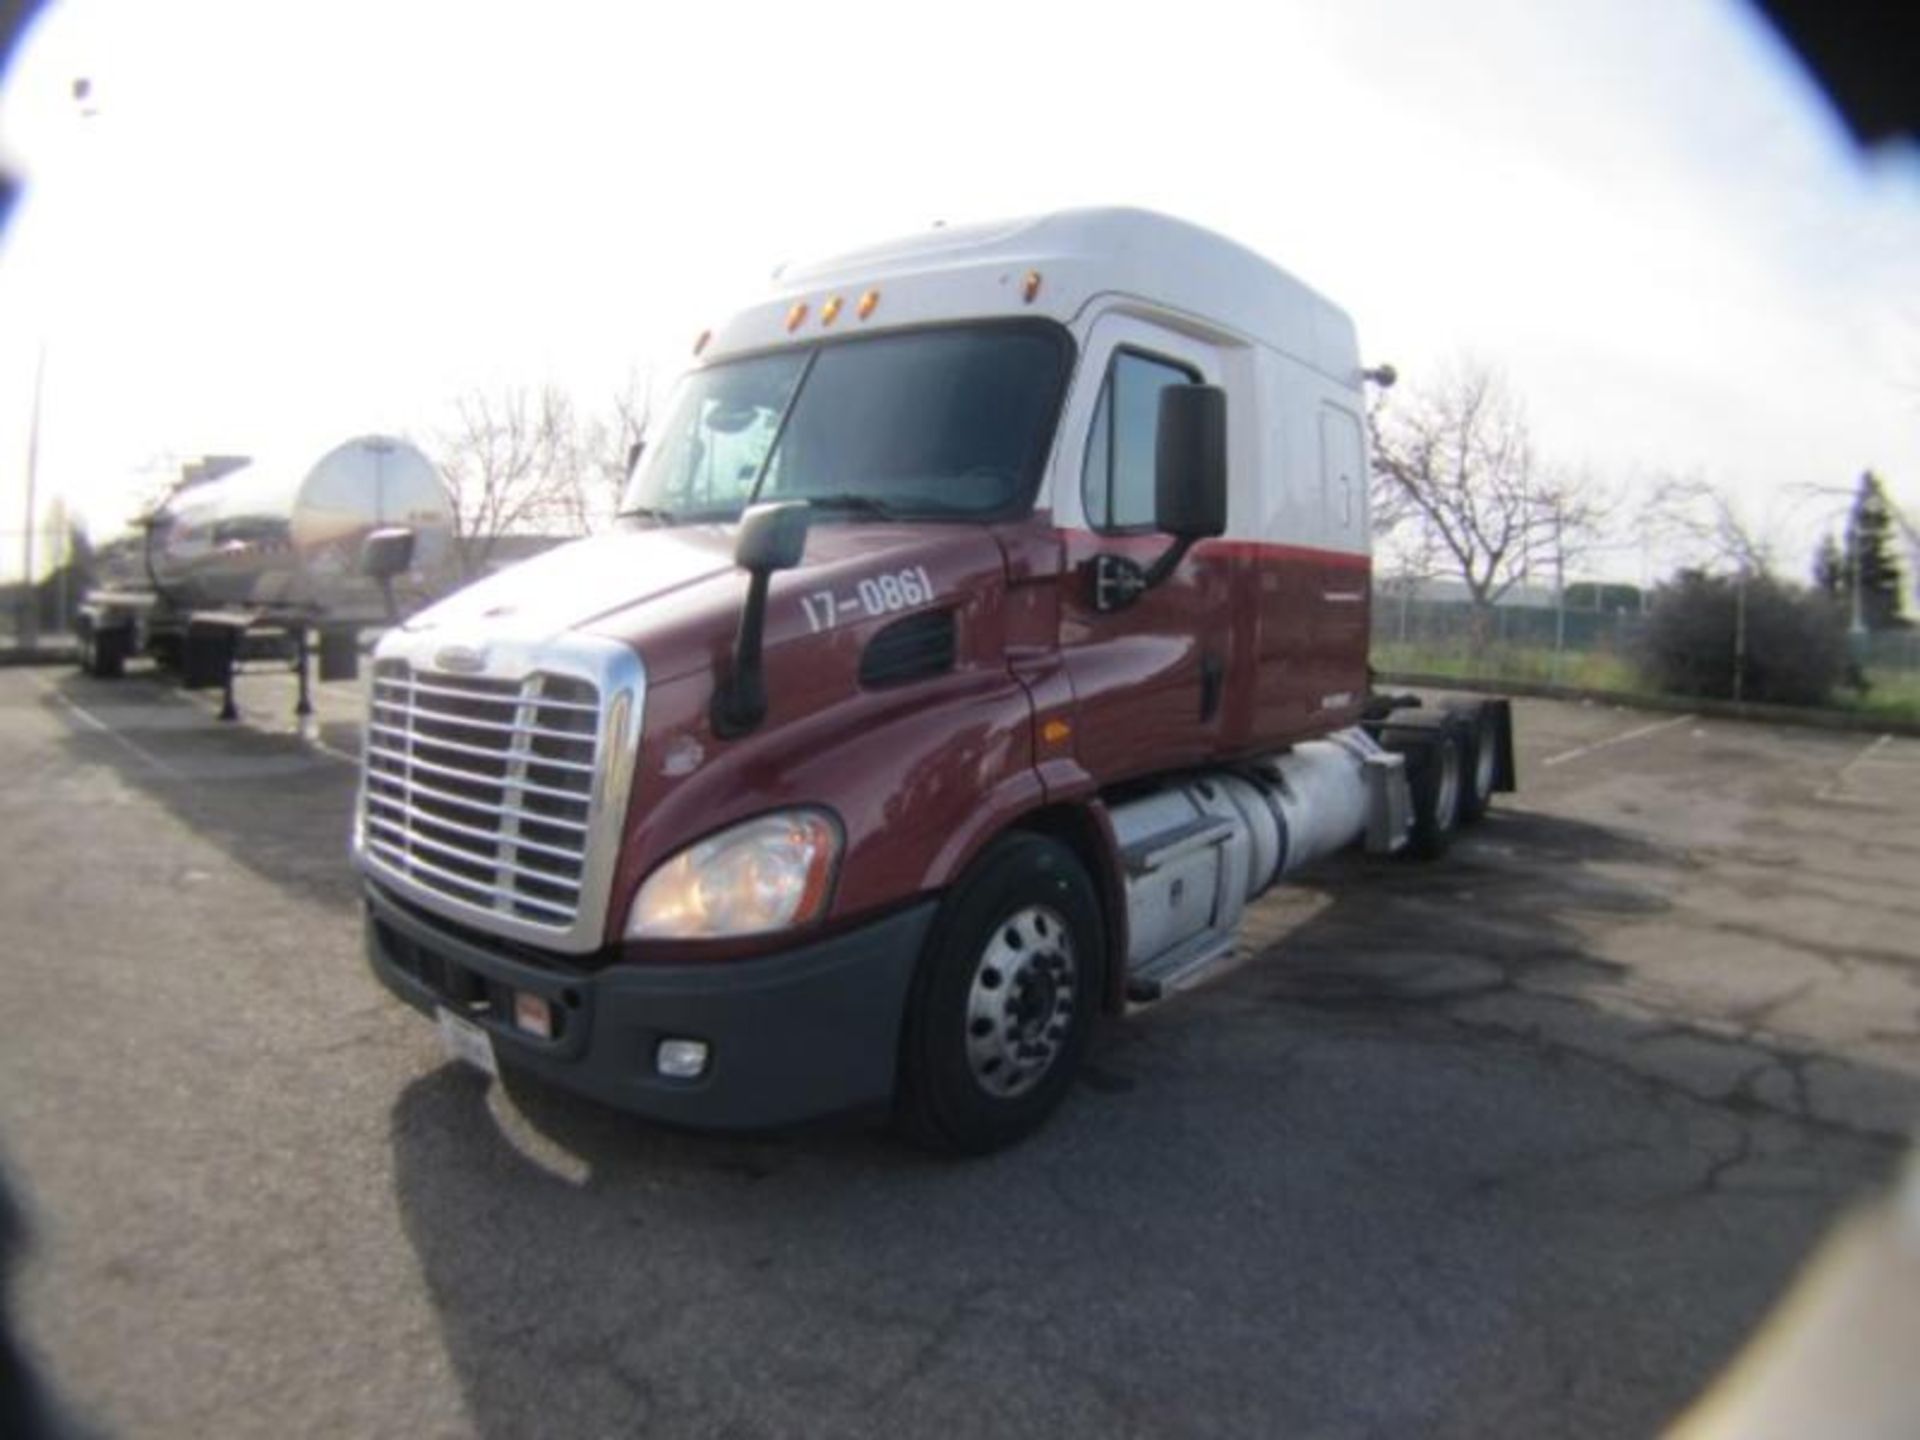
948,275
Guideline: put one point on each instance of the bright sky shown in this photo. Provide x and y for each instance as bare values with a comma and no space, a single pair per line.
287,224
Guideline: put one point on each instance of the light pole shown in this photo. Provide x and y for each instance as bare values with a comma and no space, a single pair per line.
28,629
29,626
1559,584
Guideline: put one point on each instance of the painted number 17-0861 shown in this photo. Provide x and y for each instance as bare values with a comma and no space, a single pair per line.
873,595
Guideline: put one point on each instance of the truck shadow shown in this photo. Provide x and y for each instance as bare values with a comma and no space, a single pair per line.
271,801
1421,1169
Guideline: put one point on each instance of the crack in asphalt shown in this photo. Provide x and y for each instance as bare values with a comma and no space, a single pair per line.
1337,991
1846,959
1735,1100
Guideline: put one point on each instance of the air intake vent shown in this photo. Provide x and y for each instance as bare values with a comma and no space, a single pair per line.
910,649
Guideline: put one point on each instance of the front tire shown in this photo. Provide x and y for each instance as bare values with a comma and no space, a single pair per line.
1002,1007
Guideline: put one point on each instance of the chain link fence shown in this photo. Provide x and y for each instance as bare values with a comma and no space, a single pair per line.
40,616
1594,648
1449,626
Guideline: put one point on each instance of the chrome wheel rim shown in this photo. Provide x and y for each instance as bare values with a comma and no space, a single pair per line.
1020,1006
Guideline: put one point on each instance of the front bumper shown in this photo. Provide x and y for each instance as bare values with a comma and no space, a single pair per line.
809,1032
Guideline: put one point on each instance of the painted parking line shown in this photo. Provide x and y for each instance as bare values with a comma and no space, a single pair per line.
1834,791
93,722
310,733
1637,733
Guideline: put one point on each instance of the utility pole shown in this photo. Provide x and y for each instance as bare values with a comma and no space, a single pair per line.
28,633
1559,584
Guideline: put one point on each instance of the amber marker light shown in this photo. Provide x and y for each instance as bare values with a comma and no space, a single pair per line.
830,311
795,316
1032,286
867,303
1055,732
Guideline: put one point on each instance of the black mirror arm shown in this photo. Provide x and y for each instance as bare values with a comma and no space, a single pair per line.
740,703
772,537
1168,560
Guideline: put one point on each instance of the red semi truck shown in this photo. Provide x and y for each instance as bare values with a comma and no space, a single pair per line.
986,627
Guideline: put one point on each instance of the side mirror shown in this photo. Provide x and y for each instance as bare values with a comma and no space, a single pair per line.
1189,492
387,553
772,537
1190,462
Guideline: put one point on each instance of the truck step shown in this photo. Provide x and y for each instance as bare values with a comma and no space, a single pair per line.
1180,968
1145,856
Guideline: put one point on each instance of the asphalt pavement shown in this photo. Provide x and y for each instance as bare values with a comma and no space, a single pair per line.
1524,1142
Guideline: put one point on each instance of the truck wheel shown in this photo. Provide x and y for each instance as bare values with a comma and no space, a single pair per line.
110,649
1435,776
1480,738
1003,1003
102,650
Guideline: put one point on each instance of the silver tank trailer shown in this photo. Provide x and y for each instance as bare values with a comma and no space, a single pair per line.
267,538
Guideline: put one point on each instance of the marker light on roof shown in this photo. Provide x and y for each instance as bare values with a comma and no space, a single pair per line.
701,343
867,302
796,315
1032,287
830,311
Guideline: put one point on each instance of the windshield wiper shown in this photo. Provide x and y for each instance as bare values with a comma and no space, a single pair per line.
857,504
648,512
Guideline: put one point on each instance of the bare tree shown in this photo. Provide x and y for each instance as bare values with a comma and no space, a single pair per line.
1699,519
1402,567
607,439
1689,516
1455,474
514,465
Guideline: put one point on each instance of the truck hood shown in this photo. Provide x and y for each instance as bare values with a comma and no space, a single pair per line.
573,585
675,595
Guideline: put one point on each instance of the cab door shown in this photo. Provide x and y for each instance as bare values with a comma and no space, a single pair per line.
1149,680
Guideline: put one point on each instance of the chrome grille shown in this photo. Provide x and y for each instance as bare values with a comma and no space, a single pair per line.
480,789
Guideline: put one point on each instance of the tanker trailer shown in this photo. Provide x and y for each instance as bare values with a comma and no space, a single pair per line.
249,561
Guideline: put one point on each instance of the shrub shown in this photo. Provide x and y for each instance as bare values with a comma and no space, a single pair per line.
1796,642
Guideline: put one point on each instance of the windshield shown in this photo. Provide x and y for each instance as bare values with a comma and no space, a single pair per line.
939,423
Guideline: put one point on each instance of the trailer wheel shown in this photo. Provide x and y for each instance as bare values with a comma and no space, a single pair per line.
1436,780
1480,737
103,650
1003,1004
110,652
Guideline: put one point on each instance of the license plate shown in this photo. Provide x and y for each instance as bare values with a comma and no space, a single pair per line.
464,1040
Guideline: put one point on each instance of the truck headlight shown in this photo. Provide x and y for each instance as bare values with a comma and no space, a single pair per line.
764,874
